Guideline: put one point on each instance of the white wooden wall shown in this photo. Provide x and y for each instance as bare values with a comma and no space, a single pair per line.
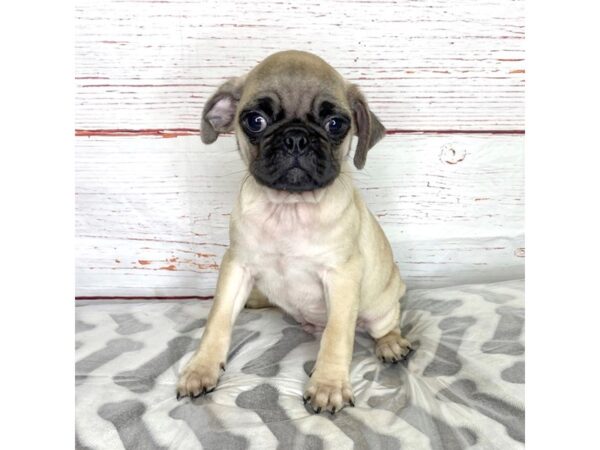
445,77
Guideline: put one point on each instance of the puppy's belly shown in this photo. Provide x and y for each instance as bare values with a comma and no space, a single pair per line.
298,292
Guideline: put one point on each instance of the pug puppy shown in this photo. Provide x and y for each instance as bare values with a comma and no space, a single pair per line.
301,236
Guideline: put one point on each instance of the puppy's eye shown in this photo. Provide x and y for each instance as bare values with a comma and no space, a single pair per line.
335,125
255,122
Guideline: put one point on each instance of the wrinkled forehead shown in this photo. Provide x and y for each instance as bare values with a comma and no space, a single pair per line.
296,88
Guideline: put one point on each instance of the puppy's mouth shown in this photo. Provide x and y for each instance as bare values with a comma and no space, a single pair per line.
294,178
278,169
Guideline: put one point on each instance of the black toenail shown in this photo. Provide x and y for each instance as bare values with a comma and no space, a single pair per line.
318,410
352,403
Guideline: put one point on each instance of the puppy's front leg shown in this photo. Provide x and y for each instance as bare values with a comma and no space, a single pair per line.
329,386
202,372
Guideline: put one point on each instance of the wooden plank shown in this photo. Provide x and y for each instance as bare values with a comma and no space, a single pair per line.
152,213
424,65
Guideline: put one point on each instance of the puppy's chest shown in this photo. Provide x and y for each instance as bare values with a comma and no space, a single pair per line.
288,256
293,282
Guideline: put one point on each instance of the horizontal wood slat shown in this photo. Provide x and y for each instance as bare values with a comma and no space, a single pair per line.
424,65
152,213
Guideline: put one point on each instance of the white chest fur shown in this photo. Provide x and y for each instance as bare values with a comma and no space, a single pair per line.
287,245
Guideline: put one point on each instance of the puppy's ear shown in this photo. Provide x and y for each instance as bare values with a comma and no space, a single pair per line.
219,111
368,127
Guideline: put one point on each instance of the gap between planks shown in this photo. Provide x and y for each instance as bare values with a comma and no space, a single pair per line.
176,132
143,297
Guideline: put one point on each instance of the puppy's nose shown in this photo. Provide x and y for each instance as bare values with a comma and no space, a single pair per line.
295,142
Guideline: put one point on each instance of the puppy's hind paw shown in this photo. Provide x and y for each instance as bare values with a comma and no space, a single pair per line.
392,347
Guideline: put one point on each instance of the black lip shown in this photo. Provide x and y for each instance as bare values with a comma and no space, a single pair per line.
297,168
283,184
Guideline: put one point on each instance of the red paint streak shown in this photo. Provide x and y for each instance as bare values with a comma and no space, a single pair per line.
176,132
174,259
145,85
143,262
169,267
517,71
121,297
169,133
213,266
205,255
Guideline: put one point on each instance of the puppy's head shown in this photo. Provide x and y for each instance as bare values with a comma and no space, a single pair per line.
294,117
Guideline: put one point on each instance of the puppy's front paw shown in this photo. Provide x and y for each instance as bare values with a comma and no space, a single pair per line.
392,347
328,394
198,379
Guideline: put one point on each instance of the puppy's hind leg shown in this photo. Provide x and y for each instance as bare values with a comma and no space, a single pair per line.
390,346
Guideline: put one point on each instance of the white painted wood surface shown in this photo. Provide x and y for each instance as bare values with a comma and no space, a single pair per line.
424,65
152,212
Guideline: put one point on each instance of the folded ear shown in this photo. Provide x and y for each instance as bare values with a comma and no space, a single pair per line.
219,111
368,127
